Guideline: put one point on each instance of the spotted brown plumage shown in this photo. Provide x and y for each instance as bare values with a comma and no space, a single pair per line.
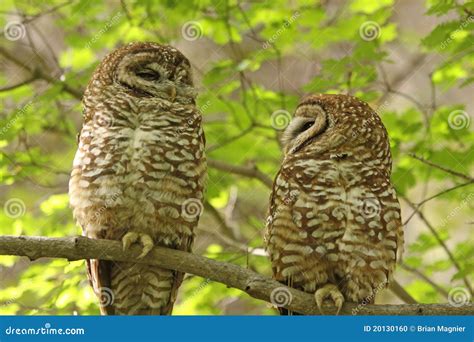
139,171
334,226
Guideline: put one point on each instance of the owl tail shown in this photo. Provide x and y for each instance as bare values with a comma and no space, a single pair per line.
286,312
134,289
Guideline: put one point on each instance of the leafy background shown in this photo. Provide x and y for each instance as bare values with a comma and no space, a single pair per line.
411,60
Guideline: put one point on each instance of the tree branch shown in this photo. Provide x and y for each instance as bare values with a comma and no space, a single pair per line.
250,172
20,84
440,167
418,205
439,240
38,73
256,285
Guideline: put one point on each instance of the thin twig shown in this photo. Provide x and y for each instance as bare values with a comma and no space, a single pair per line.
440,167
20,84
41,74
425,278
435,196
250,172
439,240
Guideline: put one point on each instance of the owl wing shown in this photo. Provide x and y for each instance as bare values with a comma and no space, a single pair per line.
85,203
285,238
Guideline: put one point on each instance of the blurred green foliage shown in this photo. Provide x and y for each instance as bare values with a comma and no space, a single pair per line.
39,126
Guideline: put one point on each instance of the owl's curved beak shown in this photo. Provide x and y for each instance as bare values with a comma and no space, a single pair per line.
172,92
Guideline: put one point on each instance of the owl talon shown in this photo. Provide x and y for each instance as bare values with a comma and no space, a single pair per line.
147,243
132,237
329,291
129,239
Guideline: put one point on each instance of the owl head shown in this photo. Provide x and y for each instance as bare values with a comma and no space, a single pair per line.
147,70
330,120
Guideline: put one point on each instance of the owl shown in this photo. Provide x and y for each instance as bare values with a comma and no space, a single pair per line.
139,172
334,227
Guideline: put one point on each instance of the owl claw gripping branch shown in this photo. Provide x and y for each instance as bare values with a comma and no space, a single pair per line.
334,227
132,237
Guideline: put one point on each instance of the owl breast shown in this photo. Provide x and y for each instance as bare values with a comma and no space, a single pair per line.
138,162
333,219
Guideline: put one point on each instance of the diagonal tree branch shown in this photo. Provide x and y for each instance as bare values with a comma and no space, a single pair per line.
256,285
40,74
439,240
440,167
250,172
418,205
20,84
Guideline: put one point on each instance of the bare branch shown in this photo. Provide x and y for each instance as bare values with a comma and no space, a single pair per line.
254,284
230,140
20,84
401,293
38,73
434,196
30,18
440,167
439,240
250,172
425,278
